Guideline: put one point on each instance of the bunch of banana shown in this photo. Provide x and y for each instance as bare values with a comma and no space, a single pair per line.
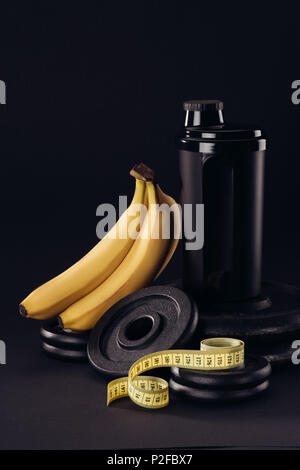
118,265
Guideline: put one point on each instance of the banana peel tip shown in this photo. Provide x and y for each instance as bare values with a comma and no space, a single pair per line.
23,310
60,323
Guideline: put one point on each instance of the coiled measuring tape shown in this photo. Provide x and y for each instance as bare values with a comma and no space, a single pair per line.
153,392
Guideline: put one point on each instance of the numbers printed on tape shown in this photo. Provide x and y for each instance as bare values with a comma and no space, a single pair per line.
153,392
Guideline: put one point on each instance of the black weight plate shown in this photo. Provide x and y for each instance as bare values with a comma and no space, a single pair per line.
52,334
281,317
268,324
65,354
256,370
279,352
152,319
214,395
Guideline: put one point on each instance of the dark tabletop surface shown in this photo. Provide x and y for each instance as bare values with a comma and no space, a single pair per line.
50,404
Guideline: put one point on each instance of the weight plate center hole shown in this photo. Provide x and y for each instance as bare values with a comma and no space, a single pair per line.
139,328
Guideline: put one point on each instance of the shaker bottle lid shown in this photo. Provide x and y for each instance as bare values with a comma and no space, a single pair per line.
206,131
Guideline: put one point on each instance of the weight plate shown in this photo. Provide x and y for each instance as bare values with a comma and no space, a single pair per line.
246,320
65,354
213,395
152,319
256,370
268,324
278,353
52,334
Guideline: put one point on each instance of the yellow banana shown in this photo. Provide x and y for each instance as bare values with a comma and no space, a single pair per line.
175,225
141,265
90,271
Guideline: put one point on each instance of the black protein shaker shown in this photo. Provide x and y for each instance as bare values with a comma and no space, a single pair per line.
222,172
222,167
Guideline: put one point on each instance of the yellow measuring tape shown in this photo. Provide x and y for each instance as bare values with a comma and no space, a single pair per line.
153,392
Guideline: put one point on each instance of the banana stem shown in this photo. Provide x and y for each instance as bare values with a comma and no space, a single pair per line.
142,172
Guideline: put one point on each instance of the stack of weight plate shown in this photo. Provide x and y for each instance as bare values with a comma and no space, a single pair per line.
64,344
232,384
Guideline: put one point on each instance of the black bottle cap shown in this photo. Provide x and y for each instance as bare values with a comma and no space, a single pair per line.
203,113
203,105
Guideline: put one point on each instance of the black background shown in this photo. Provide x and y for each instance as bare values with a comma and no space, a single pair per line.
92,88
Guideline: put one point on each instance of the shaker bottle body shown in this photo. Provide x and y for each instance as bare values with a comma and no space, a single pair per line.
222,170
